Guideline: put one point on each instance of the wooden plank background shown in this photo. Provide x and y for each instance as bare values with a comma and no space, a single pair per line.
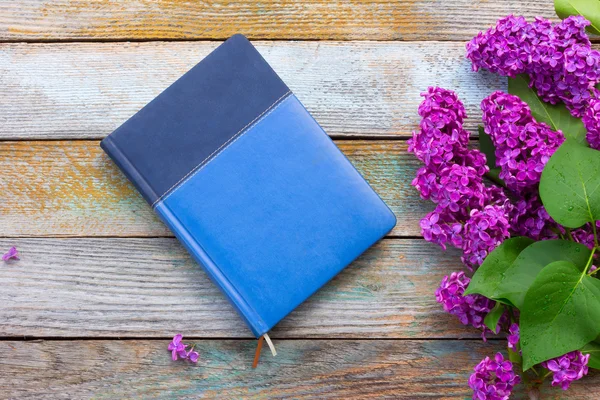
103,285
364,89
329,369
71,188
142,287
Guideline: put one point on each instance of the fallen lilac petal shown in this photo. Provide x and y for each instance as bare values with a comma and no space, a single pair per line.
177,348
11,254
193,356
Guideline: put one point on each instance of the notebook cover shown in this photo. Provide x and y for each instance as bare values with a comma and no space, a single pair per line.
249,183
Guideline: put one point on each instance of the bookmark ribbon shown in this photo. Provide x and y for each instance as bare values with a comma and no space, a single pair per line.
268,339
259,348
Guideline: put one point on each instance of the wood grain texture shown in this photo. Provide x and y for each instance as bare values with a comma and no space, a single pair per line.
265,19
86,90
317,369
151,288
55,188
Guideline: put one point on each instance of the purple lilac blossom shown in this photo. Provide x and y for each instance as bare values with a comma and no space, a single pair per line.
426,183
496,197
591,120
441,137
493,379
483,232
461,189
523,146
457,187
177,348
434,228
570,31
559,59
486,226
193,356
584,235
444,103
567,368
503,49
528,217
513,336
11,254
564,67
470,309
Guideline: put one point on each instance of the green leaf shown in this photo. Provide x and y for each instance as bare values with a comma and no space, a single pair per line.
487,147
569,185
555,115
506,281
489,274
492,318
590,9
516,279
593,349
561,313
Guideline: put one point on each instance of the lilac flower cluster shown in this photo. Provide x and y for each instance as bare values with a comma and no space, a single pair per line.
564,67
471,309
523,145
591,121
503,49
441,140
567,368
469,215
179,350
493,379
558,58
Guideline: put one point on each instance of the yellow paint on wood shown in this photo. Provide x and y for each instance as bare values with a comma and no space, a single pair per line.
71,188
265,19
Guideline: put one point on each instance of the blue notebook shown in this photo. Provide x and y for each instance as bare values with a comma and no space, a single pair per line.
248,181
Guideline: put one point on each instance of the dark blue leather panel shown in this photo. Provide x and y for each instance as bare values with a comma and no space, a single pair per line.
277,214
195,116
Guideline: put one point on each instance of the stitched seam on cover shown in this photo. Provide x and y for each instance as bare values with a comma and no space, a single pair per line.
221,148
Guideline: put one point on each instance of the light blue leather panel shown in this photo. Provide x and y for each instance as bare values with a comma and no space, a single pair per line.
277,214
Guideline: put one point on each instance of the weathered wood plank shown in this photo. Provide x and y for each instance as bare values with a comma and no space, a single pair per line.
72,188
318,369
150,288
266,19
86,90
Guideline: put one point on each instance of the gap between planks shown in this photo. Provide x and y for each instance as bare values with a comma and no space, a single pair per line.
39,339
593,39
333,137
